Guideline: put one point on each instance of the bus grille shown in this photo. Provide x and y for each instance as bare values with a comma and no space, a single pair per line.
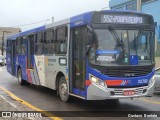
128,72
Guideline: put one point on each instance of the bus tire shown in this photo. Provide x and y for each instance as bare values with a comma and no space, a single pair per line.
19,76
63,89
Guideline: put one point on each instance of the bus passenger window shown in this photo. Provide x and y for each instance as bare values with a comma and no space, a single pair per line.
20,46
39,43
61,40
48,42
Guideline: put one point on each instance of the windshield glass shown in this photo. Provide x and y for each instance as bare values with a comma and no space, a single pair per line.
121,47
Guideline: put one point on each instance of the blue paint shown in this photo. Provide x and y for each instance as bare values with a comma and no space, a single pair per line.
134,80
133,60
79,92
13,37
99,52
83,93
66,70
76,91
21,61
82,19
8,63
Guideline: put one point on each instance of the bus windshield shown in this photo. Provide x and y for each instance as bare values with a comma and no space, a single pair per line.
112,47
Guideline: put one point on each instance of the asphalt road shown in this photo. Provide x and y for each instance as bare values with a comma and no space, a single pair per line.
47,100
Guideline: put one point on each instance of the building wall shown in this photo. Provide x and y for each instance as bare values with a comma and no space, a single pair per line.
8,31
123,4
153,8
115,3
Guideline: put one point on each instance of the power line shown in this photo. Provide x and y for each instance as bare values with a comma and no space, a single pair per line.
31,23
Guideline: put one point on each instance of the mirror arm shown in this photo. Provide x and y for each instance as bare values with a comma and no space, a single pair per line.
89,28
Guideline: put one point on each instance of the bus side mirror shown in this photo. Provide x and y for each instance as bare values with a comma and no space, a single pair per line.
89,34
88,47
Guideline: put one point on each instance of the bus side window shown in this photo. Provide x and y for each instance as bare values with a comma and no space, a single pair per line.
48,41
61,40
18,51
8,50
39,43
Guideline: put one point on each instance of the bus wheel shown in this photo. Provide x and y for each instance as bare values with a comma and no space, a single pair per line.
63,89
20,80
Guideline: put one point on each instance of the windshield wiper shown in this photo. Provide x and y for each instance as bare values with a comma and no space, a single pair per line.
137,37
120,45
116,37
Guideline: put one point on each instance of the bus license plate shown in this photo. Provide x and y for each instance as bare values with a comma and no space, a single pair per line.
128,92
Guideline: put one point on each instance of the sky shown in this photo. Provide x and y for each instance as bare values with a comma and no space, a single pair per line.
18,13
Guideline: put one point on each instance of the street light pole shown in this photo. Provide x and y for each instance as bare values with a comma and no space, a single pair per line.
139,5
3,41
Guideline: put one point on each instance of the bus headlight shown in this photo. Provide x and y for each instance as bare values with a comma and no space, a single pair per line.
96,80
151,81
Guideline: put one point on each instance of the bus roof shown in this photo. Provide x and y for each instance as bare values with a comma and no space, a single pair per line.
75,21
13,37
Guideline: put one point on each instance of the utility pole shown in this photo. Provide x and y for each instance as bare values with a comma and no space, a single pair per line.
139,5
2,49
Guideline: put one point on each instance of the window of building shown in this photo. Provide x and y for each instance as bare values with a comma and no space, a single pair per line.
61,40
48,41
120,8
145,1
39,43
132,6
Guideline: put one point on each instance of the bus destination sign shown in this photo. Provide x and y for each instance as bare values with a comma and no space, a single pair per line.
121,19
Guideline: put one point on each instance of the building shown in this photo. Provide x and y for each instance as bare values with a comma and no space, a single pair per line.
4,32
146,6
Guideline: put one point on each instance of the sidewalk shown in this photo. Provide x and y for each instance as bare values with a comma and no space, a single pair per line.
8,104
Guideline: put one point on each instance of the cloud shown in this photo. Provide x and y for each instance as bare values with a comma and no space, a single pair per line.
19,12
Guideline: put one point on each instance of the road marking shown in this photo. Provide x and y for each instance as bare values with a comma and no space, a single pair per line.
29,105
149,101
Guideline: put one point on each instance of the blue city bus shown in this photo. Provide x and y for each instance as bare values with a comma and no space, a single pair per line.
96,55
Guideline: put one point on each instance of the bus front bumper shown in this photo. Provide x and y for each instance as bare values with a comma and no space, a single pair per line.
96,92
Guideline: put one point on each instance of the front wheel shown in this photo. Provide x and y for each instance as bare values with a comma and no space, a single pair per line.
63,89
20,80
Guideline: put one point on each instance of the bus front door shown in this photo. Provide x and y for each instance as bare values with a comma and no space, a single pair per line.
79,36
